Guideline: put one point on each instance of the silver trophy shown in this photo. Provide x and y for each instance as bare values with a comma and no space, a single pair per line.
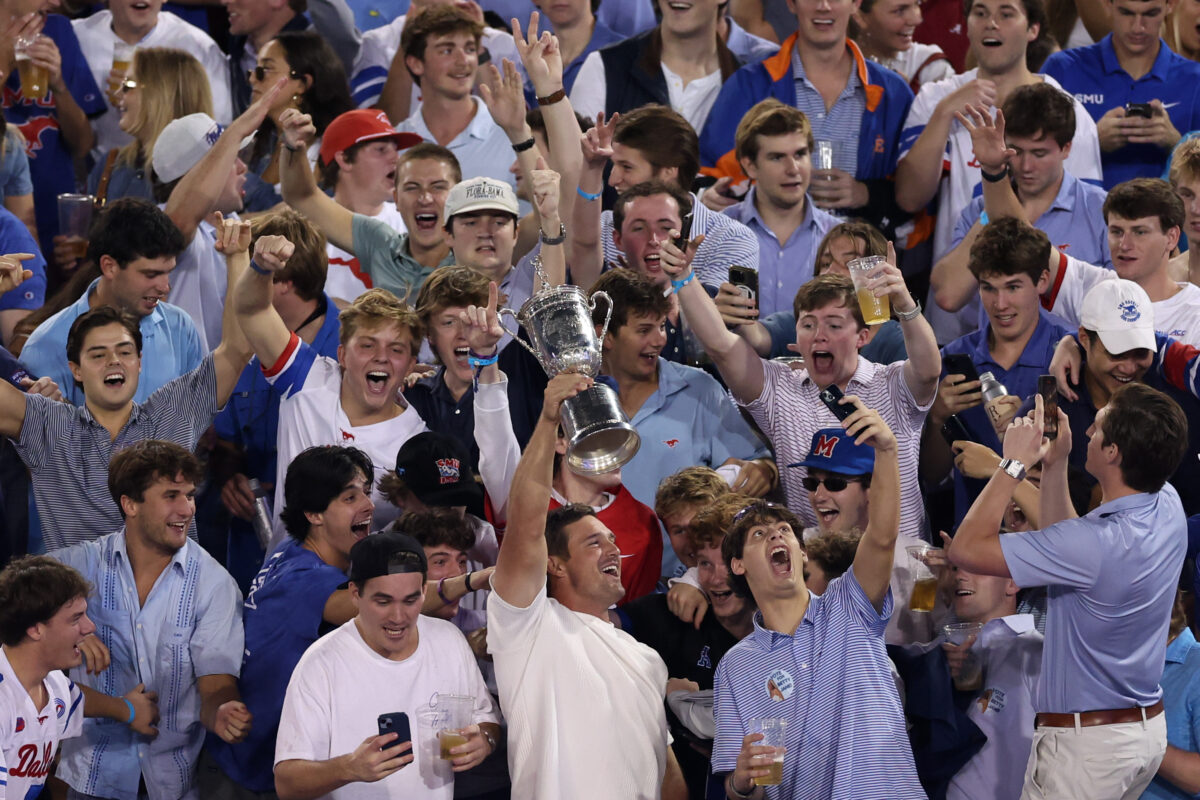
558,320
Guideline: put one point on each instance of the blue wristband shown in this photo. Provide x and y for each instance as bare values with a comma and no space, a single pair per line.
677,285
476,360
131,712
588,195
259,269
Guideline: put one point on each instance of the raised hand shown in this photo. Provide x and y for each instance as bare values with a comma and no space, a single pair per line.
13,272
545,183
272,252
483,329
562,387
597,142
233,235
1024,440
867,427
256,114
296,129
987,137
675,262
505,98
540,55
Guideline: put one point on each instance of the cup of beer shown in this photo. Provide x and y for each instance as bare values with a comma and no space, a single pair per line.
773,730
925,562
970,675
74,220
35,80
822,154
122,61
456,710
874,309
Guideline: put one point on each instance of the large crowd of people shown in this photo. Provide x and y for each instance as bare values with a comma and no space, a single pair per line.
632,399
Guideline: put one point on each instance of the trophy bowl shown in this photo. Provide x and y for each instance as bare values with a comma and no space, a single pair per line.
599,438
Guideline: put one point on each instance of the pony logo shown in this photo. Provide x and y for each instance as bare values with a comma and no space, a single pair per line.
824,446
449,470
1129,311
33,132
671,443
347,436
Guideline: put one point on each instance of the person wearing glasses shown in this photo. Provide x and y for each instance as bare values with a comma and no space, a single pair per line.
817,661
126,24
315,84
838,483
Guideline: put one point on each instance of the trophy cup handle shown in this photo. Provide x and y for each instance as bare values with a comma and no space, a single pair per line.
515,336
608,316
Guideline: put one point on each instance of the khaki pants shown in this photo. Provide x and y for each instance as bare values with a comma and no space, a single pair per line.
1104,762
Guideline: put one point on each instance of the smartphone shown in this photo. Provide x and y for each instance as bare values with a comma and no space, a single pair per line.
685,232
1139,110
830,398
960,364
1048,389
396,722
953,430
746,281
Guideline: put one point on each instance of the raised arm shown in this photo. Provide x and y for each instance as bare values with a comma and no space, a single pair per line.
976,546
740,366
587,254
499,452
260,322
877,549
1054,501
521,565
230,357
197,193
953,284
299,187
924,364
12,400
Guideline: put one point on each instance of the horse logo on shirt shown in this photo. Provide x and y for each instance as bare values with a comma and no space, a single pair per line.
671,443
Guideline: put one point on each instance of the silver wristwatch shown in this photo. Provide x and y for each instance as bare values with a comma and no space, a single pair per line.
905,316
1013,468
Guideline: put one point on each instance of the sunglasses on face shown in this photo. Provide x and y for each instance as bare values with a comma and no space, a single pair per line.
260,74
127,85
832,483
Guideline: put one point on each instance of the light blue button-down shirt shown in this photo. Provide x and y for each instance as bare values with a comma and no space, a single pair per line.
1181,696
170,347
1111,576
783,268
190,626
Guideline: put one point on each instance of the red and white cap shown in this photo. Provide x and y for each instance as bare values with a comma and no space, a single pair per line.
358,126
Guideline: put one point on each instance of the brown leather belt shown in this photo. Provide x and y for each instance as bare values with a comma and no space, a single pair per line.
1088,719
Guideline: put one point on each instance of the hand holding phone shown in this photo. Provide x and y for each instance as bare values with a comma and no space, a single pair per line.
830,397
960,364
685,233
1048,389
745,280
395,722
1139,110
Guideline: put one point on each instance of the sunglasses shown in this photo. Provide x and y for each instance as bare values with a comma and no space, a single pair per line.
756,506
127,85
832,483
260,74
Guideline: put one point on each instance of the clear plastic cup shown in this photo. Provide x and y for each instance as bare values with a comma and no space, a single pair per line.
926,564
874,309
773,730
970,674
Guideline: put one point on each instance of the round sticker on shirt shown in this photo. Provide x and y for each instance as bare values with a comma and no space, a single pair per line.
780,685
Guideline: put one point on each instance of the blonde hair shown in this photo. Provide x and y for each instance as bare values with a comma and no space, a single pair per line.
375,308
173,84
1185,163
708,527
691,486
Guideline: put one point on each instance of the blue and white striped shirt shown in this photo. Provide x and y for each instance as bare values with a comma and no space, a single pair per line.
67,451
190,625
831,681
841,124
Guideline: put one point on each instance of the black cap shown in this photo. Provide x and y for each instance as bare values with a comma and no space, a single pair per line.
388,552
437,469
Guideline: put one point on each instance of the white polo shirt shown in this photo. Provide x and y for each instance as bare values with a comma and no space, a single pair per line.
97,40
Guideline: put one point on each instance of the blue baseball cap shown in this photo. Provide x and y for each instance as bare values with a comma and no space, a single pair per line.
834,450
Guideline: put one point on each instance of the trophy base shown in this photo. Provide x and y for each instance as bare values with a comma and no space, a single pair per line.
599,437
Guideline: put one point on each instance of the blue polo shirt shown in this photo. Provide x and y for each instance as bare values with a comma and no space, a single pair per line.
170,348
1020,379
1111,576
783,267
283,615
831,680
1181,696
1098,80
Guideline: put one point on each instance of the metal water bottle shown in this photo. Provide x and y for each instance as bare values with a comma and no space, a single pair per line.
262,514
992,390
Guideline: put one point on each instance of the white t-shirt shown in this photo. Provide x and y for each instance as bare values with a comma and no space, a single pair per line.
97,40
1179,316
29,737
693,102
346,279
198,284
1078,278
584,703
920,61
340,687
311,414
960,180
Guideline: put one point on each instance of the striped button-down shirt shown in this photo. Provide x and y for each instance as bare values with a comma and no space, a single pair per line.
831,681
841,124
789,412
190,625
67,452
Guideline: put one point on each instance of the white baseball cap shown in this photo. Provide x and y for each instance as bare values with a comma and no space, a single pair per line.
480,194
1121,313
184,142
